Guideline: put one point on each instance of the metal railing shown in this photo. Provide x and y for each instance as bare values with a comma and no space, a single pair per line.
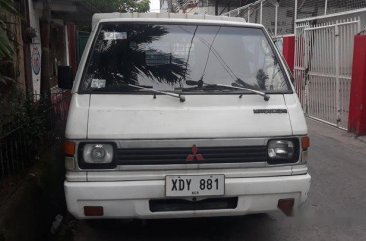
277,16
177,6
324,33
323,68
22,140
316,8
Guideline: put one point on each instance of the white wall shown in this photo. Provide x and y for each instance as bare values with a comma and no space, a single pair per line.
35,48
155,6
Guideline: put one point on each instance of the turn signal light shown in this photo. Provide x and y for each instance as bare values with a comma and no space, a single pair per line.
305,143
69,148
286,205
93,211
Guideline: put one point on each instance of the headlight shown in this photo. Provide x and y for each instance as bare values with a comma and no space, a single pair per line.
283,151
98,153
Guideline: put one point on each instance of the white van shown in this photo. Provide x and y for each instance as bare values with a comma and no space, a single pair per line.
183,116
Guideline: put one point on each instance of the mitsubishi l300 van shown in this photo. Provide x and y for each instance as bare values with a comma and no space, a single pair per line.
178,116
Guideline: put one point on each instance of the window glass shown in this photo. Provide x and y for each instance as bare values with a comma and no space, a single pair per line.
164,57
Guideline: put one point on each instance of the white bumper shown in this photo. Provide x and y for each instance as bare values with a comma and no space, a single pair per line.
130,199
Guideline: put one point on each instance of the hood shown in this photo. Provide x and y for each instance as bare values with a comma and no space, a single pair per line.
200,116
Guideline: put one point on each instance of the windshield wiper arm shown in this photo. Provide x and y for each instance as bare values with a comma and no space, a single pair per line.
200,84
182,98
234,86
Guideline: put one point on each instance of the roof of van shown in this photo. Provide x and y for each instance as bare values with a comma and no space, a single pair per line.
163,16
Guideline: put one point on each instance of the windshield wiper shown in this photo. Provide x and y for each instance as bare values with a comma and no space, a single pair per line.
182,98
200,84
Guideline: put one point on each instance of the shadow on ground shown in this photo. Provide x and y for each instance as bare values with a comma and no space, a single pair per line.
254,226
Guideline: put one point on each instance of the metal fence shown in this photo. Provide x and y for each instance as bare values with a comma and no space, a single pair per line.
41,124
323,68
313,8
277,16
324,33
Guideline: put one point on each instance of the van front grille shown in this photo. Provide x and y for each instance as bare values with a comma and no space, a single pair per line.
184,155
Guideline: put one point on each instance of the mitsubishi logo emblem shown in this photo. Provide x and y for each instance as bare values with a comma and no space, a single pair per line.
195,156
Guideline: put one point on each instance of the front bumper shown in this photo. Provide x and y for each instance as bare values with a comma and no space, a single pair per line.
130,199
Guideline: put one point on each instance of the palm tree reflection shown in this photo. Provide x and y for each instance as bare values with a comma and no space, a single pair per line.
133,58
261,78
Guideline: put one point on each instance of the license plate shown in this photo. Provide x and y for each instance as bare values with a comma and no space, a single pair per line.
188,186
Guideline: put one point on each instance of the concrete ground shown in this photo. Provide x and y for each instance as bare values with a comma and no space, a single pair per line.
336,209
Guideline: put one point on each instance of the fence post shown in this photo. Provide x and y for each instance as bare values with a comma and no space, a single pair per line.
276,18
71,34
248,14
337,66
357,106
325,7
288,51
295,16
261,13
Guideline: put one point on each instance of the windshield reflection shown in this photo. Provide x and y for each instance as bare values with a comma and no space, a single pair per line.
165,56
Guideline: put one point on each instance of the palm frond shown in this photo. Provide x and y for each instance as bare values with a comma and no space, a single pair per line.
8,6
4,79
6,49
2,24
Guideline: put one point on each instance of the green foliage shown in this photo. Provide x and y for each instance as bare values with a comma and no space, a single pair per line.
6,48
21,110
122,6
8,6
133,6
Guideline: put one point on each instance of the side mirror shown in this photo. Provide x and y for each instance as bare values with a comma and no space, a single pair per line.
65,78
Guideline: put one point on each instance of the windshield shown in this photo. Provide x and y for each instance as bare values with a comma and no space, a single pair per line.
164,57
